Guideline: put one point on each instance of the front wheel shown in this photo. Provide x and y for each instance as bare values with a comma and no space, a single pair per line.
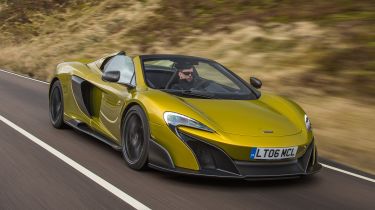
135,134
56,106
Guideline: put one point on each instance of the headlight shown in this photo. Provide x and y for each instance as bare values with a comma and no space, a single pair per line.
308,123
174,120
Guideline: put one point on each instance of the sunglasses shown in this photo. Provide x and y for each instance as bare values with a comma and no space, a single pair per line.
187,73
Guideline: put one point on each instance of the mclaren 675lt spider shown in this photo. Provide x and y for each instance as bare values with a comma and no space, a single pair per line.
184,114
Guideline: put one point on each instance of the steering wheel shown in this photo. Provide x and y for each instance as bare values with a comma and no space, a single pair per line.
201,84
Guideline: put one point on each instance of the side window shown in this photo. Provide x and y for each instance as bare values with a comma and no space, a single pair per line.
125,65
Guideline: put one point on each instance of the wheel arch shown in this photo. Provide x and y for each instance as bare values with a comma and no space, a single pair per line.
157,154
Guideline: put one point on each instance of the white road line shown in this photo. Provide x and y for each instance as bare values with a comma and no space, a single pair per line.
106,185
349,173
19,75
324,165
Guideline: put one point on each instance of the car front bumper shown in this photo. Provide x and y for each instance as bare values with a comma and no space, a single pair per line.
274,175
214,162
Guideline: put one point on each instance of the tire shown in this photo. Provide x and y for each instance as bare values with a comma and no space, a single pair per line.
135,138
56,106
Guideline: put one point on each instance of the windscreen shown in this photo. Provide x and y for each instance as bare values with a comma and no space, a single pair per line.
192,77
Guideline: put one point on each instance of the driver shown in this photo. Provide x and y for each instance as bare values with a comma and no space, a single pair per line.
186,77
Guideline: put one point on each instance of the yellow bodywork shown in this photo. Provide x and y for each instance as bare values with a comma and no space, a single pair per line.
237,124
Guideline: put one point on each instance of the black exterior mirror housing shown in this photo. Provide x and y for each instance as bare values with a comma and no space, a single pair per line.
255,82
111,76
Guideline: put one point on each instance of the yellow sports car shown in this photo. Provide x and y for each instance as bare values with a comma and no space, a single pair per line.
184,114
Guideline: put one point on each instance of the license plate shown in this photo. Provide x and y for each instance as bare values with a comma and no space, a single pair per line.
273,153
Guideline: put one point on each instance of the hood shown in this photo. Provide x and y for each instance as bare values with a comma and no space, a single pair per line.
243,117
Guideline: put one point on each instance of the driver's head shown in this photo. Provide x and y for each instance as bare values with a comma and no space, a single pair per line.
185,71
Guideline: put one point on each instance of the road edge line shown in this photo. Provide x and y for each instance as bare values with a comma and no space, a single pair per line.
348,173
26,77
100,181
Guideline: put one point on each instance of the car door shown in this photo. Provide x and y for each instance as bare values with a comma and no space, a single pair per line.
113,95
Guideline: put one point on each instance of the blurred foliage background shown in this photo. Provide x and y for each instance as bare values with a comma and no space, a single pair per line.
319,53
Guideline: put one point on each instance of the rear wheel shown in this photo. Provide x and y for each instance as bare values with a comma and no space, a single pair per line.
56,106
135,134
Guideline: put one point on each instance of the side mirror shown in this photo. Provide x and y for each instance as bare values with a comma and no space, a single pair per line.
111,76
255,82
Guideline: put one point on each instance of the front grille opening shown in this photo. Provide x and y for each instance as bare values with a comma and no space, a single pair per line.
203,154
209,157
313,158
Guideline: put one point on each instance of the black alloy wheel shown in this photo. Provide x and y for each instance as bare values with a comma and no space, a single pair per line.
135,138
56,106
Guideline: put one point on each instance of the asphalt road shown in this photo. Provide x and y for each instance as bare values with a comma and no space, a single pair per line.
33,178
